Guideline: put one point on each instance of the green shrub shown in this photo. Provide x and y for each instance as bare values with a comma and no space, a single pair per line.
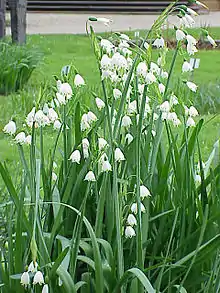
16,66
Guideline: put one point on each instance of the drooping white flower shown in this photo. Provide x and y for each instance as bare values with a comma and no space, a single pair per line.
134,208
106,166
107,45
191,11
78,80
192,86
10,128
45,289
191,40
75,157
129,232
41,119
90,176
117,94
161,88
105,21
28,140
52,115
190,122
180,35
126,121
91,117
118,61
119,156
193,112
66,90
198,179
155,116
45,109
141,88
20,138
176,122
131,220
105,62
129,138
33,267
171,116
146,45
54,176
211,41
30,117
159,43
25,279
191,49
38,278
186,67
102,143
159,61
164,74
85,148
99,103
61,99
165,107
150,78
153,132
84,125
173,100
144,192
154,68
132,107
57,124
190,20
164,116
142,69
58,84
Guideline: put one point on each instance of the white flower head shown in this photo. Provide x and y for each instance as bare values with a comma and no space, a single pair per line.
41,119
154,68
144,192
211,41
131,220
20,138
52,115
190,122
117,94
180,35
54,176
134,208
107,45
193,112
102,143
10,128
90,176
150,78
33,267
28,139
192,86
91,117
78,80
132,107
126,121
105,62
45,289
75,157
25,279
165,107
84,125
119,156
161,88
61,99
105,21
57,124
191,49
66,90
176,122
38,278
129,138
129,232
106,166
159,43
142,69
30,117
99,103
85,148
173,100
198,179
164,74
191,40
186,67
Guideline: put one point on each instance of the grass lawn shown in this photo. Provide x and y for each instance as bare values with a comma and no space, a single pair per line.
60,50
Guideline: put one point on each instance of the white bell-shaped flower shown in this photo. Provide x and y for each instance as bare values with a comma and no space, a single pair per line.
10,128
192,86
165,107
90,176
33,267
191,49
131,220
154,68
20,138
99,103
134,208
126,121
142,69
85,148
150,78
161,88
84,125
144,192
129,232
102,143
30,117
75,157
106,166
117,94
45,289
78,80
186,67
52,115
105,62
132,107
119,156
57,124
66,90
54,176
129,138
91,117
61,99
190,122
38,278
180,35
28,139
211,41
193,112
159,43
25,279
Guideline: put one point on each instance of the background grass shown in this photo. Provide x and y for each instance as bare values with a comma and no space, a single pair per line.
60,50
